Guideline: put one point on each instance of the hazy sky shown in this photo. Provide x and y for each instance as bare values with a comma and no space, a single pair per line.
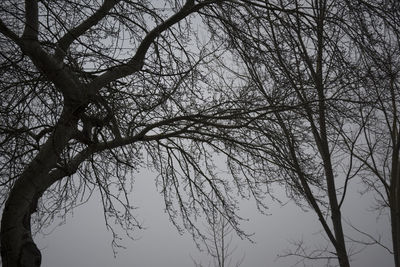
84,240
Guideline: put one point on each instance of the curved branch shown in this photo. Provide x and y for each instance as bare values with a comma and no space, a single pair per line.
71,35
136,62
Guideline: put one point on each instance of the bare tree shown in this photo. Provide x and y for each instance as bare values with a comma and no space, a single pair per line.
92,90
218,241
305,56
374,26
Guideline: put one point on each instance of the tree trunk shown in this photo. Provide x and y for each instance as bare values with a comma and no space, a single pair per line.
17,246
395,207
336,216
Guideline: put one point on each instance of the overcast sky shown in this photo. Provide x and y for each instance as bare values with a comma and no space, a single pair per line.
84,240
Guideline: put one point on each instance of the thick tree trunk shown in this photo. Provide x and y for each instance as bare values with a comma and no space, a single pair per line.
395,223
17,246
395,207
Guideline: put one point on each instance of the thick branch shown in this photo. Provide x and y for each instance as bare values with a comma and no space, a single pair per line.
65,41
62,78
8,33
136,62
31,20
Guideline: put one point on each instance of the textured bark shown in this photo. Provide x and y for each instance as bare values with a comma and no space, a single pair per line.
17,246
395,208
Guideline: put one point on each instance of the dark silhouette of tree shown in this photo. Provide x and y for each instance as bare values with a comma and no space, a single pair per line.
91,91
376,31
333,65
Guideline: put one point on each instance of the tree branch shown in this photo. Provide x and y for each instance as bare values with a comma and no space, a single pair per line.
8,33
64,43
136,62
31,30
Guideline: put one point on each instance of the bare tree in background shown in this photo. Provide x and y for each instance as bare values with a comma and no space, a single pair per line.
218,242
91,91
312,57
374,26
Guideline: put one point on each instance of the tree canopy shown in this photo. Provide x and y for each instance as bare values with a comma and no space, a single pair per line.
302,94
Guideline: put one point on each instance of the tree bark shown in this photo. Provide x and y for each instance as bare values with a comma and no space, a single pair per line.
395,206
17,246
336,218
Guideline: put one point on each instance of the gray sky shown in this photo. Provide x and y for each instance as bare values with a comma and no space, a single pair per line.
84,240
